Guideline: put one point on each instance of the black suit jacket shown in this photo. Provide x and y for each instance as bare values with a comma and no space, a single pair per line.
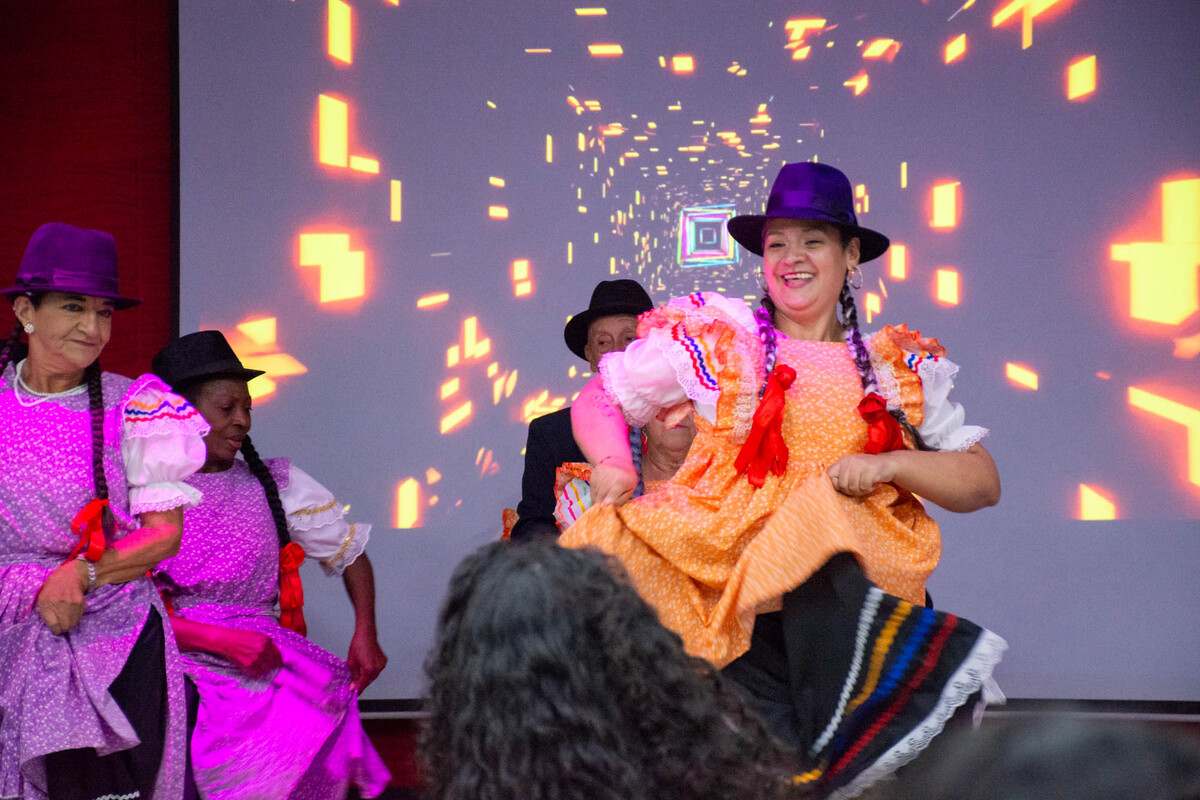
549,444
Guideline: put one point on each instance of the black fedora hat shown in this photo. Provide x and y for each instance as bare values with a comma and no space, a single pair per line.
199,356
609,298
807,190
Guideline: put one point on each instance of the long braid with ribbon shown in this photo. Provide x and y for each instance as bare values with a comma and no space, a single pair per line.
635,450
291,555
862,360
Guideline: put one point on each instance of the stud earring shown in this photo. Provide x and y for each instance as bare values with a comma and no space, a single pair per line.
28,327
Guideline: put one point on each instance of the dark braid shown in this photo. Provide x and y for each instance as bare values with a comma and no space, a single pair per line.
11,346
635,452
259,470
95,390
862,360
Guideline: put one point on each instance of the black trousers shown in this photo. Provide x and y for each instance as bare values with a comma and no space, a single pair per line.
141,692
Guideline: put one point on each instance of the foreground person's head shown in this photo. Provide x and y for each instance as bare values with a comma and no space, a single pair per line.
551,678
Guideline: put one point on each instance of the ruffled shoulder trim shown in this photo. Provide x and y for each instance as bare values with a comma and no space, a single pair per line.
700,307
902,358
150,408
308,504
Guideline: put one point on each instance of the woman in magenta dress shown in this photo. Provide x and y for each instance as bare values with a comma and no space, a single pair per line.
278,715
91,496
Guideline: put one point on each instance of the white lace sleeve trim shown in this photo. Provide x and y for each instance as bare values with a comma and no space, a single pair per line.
162,496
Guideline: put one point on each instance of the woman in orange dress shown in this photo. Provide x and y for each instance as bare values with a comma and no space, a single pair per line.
790,548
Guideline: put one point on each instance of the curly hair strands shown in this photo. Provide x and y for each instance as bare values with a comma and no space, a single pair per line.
551,679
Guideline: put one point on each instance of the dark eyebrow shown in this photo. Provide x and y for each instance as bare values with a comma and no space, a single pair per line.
76,297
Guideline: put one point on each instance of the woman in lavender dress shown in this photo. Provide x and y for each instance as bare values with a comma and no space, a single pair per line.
278,715
91,497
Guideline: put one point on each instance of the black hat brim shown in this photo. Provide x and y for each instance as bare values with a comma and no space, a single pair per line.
576,332
747,231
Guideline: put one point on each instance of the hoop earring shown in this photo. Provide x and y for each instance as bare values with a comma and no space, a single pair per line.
855,278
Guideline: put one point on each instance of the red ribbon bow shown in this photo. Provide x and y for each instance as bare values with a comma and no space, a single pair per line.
291,590
88,525
764,448
883,431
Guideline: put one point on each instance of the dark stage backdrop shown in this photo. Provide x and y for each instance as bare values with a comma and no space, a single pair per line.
87,136
392,207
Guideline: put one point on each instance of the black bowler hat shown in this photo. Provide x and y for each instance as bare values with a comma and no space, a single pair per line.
199,356
809,191
609,298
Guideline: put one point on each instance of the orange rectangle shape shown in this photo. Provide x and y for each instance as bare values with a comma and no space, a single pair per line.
955,49
1081,78
364,164
408,504
433,300
683,64
1021,375
333,131
338,39
497,212
946,286
593,11
944,197
898,262
455,418
1095,505
396,206
605,50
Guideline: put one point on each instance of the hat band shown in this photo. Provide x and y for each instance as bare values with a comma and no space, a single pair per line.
67,277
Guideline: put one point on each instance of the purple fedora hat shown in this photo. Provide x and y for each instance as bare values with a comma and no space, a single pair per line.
809,191
64,258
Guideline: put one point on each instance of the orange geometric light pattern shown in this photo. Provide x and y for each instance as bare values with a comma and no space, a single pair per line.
1022,376
333,137
885,49
522,278
339,44
409,508
1081,78
946,286
254,341
1176,412
1030,10
343,271
858,83
1164,276
945,200
955,49
898,262
1095,504
797,31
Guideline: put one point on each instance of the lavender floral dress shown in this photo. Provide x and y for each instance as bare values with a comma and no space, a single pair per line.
296,732
54,689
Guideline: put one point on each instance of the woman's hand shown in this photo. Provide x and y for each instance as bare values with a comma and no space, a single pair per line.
60,600
612,483
858,475
366,660
250,651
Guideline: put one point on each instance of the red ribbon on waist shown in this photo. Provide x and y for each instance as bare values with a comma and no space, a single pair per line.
883,431
765,448
291,590
88,525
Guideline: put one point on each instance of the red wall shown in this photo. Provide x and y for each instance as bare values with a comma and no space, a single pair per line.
87,136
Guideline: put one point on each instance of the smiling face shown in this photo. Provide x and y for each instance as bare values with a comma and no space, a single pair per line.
609,334
225,404
805,265
69,330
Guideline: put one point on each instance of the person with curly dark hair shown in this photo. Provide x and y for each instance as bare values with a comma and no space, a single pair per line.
551,679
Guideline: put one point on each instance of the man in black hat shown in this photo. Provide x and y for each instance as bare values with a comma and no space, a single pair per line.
608,324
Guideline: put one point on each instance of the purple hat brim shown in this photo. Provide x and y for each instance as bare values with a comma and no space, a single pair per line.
119,301
747,231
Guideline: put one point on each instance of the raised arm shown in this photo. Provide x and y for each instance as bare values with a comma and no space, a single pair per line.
600,430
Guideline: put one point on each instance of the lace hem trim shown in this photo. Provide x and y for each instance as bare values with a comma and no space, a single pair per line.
973,438
162,497
312,517
969,677
614,387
